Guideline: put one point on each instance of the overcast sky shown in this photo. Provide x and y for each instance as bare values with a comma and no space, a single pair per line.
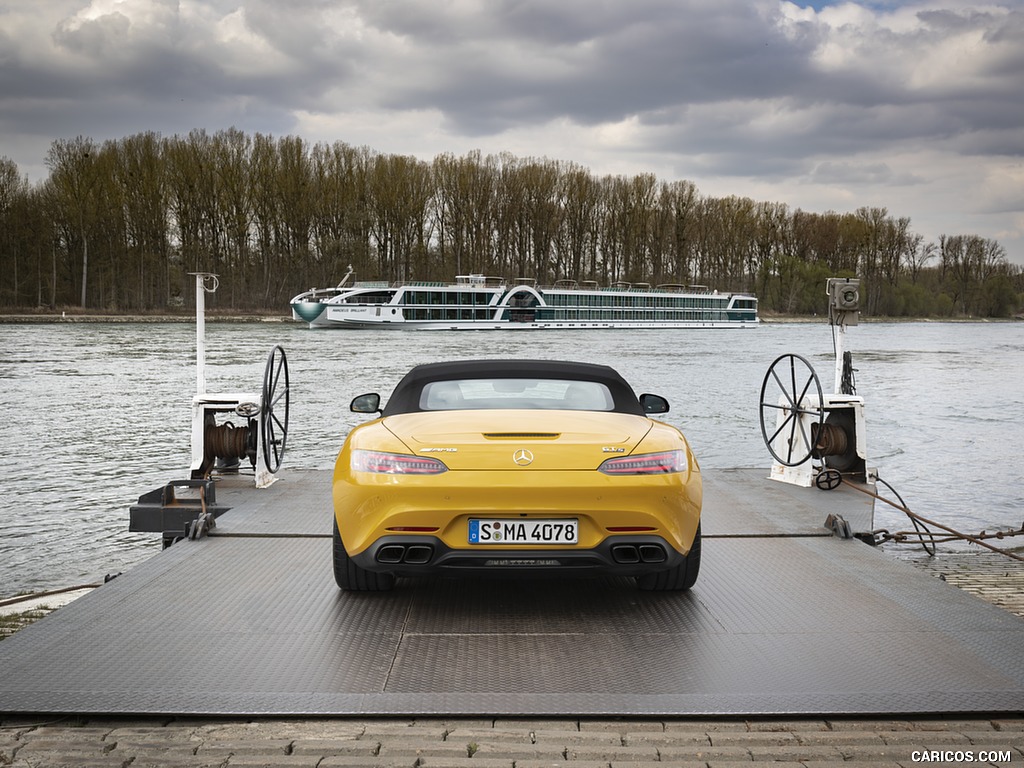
913,106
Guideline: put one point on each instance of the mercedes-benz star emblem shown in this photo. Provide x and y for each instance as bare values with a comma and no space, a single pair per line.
522,457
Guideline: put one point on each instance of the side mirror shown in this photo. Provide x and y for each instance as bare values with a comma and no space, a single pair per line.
366,403
653,403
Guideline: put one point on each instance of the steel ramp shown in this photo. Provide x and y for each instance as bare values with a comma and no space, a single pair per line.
249,622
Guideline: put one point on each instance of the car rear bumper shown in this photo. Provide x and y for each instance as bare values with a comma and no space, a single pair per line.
627,555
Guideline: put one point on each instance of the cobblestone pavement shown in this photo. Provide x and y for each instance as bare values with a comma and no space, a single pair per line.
994,578
506,743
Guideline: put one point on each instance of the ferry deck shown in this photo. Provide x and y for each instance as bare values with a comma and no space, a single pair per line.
786,620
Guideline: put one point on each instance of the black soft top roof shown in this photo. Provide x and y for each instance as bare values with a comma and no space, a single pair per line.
406,397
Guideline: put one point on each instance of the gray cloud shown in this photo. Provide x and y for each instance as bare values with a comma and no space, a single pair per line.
835,107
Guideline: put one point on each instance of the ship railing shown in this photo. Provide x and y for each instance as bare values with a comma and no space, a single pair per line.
318,294
417,284
562,284
624,287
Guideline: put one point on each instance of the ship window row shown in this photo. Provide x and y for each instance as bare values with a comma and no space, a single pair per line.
447,313
640,300
640,315
381,297
454,298
553,314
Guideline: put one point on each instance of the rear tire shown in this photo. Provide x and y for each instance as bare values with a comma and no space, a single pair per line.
677,579
351,577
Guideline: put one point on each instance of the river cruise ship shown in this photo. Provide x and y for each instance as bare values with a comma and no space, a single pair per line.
481,302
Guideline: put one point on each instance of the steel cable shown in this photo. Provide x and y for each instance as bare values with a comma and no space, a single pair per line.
925,522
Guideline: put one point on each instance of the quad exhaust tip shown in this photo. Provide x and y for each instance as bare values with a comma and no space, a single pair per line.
412,554
630,554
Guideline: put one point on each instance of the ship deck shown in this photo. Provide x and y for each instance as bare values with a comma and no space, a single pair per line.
785,620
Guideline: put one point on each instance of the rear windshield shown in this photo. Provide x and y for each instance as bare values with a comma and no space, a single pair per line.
550,394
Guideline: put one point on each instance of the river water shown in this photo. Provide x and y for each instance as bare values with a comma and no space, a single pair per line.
94,415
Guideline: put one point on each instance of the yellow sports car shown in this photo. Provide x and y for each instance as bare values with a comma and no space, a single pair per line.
503,466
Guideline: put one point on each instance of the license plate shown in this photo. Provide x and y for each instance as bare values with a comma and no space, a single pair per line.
526,531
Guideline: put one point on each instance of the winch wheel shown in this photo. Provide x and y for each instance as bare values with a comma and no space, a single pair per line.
828,479
788,386
274,409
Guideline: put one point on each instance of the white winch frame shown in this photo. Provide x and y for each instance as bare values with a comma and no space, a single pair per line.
844,310
205,405
804,474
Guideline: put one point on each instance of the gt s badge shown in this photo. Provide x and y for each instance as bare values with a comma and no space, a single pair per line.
608,449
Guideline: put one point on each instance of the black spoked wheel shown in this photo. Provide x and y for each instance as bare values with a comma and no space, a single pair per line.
790,386
274,413
677,579
828,479
351,577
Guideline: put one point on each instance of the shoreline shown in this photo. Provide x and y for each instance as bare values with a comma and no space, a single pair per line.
49,318
52,319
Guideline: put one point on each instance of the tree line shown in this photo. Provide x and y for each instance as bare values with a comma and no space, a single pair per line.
119,226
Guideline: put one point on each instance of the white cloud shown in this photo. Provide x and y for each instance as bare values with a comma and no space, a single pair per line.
913,106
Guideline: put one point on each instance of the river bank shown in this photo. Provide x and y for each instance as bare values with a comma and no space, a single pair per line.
212,316
234,316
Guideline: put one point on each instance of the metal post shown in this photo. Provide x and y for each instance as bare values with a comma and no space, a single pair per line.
843,310
840,342
200,334
206,282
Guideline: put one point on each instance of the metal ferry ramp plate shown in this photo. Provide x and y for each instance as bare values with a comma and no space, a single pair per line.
784,620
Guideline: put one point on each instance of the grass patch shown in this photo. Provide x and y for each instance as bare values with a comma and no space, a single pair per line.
12,622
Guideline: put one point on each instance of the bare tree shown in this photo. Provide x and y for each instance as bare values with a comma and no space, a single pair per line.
13,189
577,243
399,192
341,219
72,164
918,254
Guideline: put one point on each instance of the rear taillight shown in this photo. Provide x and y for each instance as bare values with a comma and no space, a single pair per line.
646,464
395,463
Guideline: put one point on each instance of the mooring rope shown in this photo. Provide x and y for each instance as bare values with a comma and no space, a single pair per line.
48,593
